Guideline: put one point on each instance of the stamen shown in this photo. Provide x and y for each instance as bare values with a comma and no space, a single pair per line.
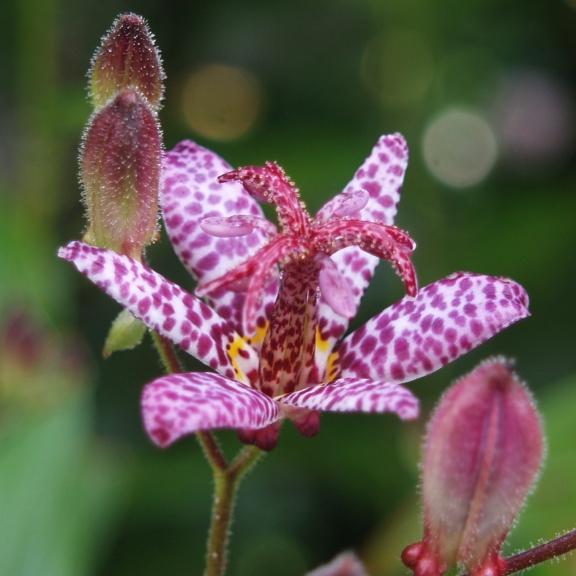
256,271
238,225
336,289
344,205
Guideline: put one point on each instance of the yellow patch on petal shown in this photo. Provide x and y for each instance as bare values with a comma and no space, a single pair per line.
321,343
326,360
258,337
332,367
237,359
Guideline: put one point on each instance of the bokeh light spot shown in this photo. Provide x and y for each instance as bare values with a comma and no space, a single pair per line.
459,147
222,102
534,119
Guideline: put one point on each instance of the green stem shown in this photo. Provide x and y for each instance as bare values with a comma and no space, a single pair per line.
227,477
172,365
226,485
244,460
225,488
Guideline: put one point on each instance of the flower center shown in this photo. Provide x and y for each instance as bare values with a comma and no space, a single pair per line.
302,250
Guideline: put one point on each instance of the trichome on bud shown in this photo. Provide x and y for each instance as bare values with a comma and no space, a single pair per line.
127,57
120,171
481,457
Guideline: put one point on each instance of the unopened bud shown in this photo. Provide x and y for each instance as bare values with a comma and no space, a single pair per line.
481,458
120,170
345,564
127,57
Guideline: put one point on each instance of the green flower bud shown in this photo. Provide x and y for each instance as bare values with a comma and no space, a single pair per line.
127,57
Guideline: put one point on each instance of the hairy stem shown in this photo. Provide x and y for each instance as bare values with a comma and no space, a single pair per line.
537,554
172,364
551,549
227,477
226,485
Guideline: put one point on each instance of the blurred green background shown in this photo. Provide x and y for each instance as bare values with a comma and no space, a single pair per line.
484,93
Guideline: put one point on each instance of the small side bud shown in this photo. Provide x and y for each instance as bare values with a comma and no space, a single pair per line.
481,457
127,57
125,333
120,171
345,564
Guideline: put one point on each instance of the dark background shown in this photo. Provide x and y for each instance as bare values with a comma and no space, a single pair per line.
483,90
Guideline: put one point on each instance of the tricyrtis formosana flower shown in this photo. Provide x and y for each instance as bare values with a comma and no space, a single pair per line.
279,301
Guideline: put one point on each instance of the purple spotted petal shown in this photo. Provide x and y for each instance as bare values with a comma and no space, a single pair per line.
416,336
180,404
190,192
166,308
380,175
356,395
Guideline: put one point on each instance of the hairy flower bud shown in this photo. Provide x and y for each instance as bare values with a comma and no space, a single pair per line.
481,457
120,170
127,57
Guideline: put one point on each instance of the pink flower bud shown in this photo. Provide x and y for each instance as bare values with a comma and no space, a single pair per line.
481,458
127,57
345,564
120,170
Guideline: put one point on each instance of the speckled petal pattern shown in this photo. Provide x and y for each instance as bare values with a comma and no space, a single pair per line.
166,308
356,395
190,191
381,175
416,336
180,404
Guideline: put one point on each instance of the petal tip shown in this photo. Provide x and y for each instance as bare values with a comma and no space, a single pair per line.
69,251
160,437
409,412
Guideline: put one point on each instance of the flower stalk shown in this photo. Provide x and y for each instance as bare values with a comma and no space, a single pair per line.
553,548
226,484
227,475
546,551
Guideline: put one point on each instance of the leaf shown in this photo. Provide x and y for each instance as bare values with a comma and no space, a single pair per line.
59,493
125,333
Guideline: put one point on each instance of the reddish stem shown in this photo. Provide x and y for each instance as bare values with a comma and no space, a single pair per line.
172,365
542,552
538,554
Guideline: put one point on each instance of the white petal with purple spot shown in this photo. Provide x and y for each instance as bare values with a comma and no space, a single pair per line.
180,404
381,176
190,192
416,336
356,395
166,308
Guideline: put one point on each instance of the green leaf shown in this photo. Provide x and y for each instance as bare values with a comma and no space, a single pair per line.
59,492
125,333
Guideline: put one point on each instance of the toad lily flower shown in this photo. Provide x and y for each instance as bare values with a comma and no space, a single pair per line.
277,303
